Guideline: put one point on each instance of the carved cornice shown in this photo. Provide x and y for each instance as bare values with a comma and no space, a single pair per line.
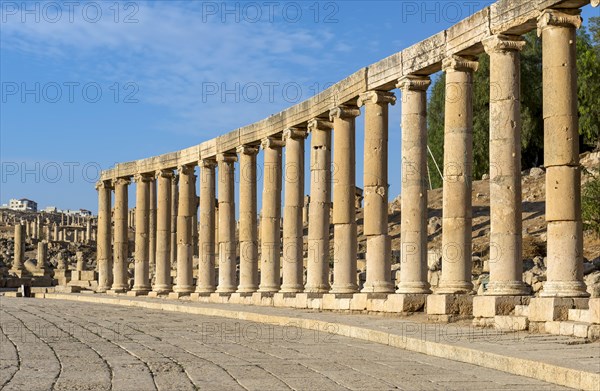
413,83
123,181
104,185
271,142
165,173
344,111
251,150
460,63
558,18
295,133
208,163
319,124
503,43
376,97
227,158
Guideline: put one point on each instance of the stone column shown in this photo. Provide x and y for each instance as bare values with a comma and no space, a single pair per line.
55,230
142,203
152,225
458,160
80,265
506,262
561,154
42,255
227,245
344,191
162,282
121,241
293,229
88,230
174,213
206,264
18,266
271,216
317,273
248,232
413,235
185,212
376,191
103,241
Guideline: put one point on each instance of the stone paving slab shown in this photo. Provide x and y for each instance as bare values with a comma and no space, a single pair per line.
560,360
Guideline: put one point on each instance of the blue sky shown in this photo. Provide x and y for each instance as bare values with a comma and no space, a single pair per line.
88,84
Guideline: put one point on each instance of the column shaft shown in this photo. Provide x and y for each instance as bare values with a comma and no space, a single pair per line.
174,213
142,224
293,230
413,235
506,265
206,264
227,245
270,266
19,250
561,154
458,160
376,190
152,226
121,241
344,205
319,208
162,282
185,212
248,232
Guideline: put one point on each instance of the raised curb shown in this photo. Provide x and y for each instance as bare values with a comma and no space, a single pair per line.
550,373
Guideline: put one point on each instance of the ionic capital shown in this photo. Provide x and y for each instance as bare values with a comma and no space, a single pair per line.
247,150
164,173
344,111
549,17
123,181
376,97
271,142
104,185
143,177
460,63
295,133
208,163
413,83
503,43
227,158
186,169
319,124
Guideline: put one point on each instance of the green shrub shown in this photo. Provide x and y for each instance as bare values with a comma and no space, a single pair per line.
590,202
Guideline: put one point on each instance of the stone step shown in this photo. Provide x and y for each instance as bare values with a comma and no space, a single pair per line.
582,316
574,329
510,323
521,310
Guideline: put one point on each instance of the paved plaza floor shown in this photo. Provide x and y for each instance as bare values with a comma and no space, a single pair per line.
64,345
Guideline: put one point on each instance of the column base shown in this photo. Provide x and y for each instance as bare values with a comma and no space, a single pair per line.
564,289
490,306
161,289
205,289
142,288
114,292
102,289
20,273
226,289
269,288
413,287
507,288
247,288
138,292
186,289
196,296
454,288
291,288
344,288
450,304
323,288
378,287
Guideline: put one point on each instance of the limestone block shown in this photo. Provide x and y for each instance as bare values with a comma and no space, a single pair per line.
229,141
594,308
510,323
330,303
580,330
385,72
359,302
443,304
468,32
547,309
403,303
425,54
490,306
